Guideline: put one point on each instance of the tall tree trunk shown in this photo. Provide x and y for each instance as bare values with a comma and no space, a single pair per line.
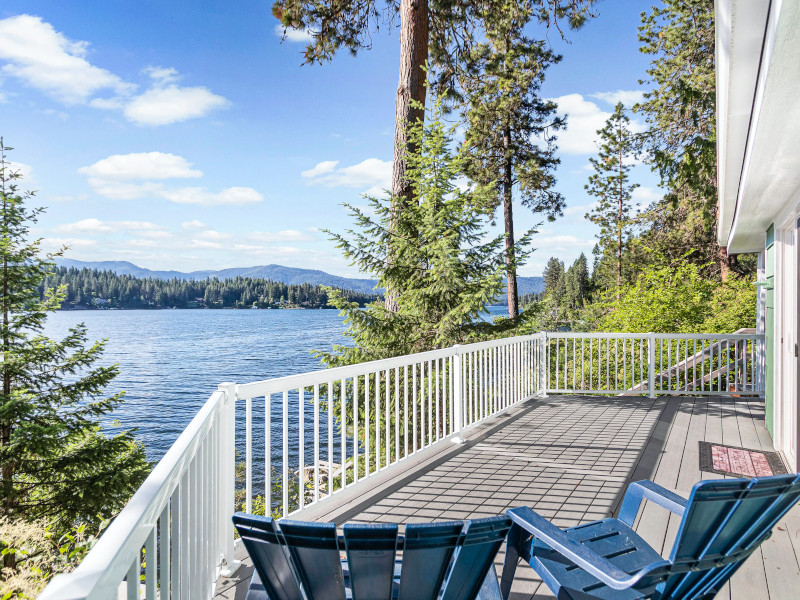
508,218
10,559
414,18
619,228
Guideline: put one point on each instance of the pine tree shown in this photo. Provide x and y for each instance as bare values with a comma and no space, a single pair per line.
432,32
445,273
680,111
56,463
612,187
509,138
577,283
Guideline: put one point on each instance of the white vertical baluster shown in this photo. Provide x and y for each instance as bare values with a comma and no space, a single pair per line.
405,408
366,425
150,565
430,402
268,454
285,462
331,397
377,421
397,413
387,427
301,446
177,542
355,428
185,557
316,442
133,579
163,551
248,460
343,399
415,400
437,383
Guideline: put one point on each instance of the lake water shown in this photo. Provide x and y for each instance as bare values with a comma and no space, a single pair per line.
170,361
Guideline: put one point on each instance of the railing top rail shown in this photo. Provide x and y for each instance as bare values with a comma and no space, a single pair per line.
658,336
99,574
323,376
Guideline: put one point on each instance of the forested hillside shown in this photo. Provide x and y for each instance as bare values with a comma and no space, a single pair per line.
88,288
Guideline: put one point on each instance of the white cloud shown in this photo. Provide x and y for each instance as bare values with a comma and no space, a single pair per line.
204,244
193,224
369,173
124,190
322,168
560,242
293,35
215,236
86,226
55,243
161,75
93,226
141,165
646,195
47,60
627,97
287,235
130,177
579,210
172,104
584,119
228,196
24,171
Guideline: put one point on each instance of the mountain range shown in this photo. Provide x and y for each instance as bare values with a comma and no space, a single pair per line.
288,275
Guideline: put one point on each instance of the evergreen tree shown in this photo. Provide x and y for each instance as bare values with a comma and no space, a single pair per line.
444,272
680,110
612,187
431,32
577,283
55,462
508,140
553,271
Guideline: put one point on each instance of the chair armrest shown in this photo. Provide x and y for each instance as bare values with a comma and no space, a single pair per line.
641,490
589,561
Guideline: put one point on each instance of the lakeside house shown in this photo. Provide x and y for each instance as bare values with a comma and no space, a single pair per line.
557,421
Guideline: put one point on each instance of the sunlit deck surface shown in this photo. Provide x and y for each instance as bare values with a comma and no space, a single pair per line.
570,458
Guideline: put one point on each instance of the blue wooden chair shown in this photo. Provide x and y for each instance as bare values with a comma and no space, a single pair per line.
723,522
297,560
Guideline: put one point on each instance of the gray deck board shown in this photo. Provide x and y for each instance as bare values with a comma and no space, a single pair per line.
570,458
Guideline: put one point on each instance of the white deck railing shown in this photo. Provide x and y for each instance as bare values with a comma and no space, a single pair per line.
310,437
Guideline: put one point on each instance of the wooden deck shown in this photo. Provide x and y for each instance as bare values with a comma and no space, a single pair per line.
570,458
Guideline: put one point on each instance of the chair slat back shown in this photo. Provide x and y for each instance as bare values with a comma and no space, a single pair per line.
314,548
371,552
480,542
261,540
427,552
724,522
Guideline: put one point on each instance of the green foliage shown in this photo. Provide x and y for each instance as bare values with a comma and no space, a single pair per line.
680,141
674,299
442,269
611,185
732,306
509,140
56,465
105,289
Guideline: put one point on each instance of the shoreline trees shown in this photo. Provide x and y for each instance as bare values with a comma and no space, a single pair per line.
57,466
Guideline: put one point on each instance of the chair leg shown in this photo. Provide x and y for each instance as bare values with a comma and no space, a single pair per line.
511,560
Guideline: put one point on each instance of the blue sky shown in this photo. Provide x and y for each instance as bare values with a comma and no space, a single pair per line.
185,135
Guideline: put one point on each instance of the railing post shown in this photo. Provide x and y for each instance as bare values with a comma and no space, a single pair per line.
228,506
543,366
458,395
651,364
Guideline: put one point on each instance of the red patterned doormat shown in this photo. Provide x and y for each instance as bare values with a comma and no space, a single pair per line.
739,462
